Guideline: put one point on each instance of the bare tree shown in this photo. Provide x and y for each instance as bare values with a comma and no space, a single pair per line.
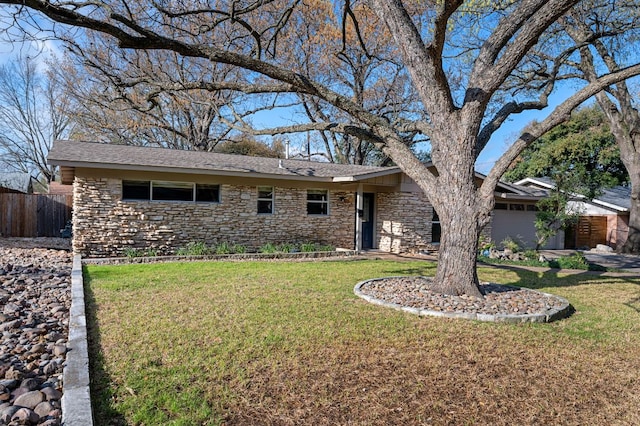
33,113
370,74
465,85
584,24
144,97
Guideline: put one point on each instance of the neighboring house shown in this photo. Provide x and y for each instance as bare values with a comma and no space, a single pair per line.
56,188
16,183
140,197
602,220
514,216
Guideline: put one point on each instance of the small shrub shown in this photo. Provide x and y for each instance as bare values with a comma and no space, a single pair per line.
132,252
182,251
485,245
239,248
268,248
286,247
194,248
326,247
509,243
575,261
308,247
151,252
223,248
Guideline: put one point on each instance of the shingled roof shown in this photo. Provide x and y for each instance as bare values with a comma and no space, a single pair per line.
125,157
616,198
16,181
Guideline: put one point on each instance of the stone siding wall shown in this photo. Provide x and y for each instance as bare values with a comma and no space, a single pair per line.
403,222
105,225
485,233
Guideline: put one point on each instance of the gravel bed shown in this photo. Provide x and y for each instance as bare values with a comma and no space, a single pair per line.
35,297
499,300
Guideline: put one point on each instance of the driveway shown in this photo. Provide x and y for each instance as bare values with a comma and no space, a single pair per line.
625,262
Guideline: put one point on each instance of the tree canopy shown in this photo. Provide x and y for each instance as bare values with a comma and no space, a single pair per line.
580,156
619,103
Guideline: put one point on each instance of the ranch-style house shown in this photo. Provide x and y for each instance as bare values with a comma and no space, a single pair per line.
162,199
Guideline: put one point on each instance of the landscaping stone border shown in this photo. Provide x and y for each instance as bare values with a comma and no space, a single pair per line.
550,315
76,397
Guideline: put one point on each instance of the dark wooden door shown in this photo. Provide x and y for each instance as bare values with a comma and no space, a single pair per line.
367,220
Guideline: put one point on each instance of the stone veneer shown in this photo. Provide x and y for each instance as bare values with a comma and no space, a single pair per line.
403,221
105,225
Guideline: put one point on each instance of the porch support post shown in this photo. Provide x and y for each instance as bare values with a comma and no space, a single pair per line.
359,206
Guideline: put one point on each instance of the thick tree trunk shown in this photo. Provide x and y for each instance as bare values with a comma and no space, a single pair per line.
459,206
632,245
456,272
625,130
451,188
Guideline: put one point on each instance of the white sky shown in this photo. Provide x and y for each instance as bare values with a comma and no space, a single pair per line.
33,49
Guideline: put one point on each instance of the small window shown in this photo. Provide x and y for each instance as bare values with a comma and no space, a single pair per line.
501,206
207,193
532,208
136,190
265,200
318,202
518,207
171,191
436,230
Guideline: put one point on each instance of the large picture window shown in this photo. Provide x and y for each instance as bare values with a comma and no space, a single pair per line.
265,199
318,202
170,191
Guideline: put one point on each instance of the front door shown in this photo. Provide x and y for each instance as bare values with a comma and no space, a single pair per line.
367,220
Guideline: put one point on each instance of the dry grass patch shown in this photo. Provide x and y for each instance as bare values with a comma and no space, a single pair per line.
288,343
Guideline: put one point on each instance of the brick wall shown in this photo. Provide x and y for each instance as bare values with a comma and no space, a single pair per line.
104,225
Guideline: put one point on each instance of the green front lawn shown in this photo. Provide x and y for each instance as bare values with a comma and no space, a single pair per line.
289,343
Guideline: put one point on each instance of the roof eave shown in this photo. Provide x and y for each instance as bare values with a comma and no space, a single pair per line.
104,166
610,205
524,197
535,181
370,175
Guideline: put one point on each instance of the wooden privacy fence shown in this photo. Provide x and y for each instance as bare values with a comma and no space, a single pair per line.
34,215
592,230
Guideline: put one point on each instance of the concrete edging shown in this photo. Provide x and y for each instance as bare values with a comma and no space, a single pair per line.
548,316
76,397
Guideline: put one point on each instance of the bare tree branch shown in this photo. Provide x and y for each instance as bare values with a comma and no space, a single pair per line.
560,114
